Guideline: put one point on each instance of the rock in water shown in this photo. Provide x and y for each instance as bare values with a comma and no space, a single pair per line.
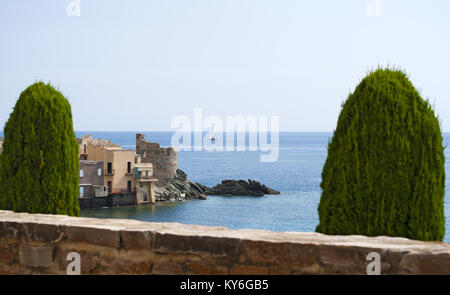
241,188
179,188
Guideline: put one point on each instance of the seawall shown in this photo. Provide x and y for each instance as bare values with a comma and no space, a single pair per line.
116,200
39,244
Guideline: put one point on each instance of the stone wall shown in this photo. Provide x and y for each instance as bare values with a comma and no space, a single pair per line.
90,177
164,160
90,172
39,244
116,200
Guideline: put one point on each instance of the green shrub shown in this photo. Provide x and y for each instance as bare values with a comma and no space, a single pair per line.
39,164
384,174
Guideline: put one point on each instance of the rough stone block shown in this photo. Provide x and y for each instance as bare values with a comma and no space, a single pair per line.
344,260
5,253
425,263
259,252
124,266
199,268
195,268
279,270
212,245
42,232
35,256
167,268
14,269
136,239
249,270
10,229
92,235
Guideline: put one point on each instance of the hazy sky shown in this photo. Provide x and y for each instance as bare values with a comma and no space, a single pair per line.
134,65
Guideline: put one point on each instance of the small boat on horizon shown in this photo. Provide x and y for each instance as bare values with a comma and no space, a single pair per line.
212,136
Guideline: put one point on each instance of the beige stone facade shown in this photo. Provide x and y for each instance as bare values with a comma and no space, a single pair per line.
123,170
118,167
87,140
82,146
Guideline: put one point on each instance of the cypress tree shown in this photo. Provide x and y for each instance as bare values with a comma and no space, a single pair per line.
39,164
384,174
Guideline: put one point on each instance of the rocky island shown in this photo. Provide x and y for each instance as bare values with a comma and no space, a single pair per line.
180,188
240,188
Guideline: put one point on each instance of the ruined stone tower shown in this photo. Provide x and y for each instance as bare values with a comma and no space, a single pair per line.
164,160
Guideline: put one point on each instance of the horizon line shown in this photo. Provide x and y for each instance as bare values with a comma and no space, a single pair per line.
284,131
178,130
143,131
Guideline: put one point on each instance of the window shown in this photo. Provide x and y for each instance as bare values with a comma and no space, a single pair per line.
129,186
109,184
109,168
81,173
81,191
129,167
85,150
99,172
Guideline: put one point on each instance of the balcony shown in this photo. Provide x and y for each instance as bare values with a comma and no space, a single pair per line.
111,172
117,191
100,191
146,179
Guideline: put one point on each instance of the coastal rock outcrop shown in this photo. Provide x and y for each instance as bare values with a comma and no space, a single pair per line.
174,185
240,188
179,188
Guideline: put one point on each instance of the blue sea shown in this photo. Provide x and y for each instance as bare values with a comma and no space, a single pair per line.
296,173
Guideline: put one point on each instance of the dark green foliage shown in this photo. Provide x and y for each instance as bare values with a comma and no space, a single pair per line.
384,174
39,164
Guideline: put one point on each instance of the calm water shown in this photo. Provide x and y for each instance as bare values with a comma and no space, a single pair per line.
297,174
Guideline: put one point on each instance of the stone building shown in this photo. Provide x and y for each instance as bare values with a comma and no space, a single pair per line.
92,183
145,182
87,140
82,146
164,160
118,165
124,174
